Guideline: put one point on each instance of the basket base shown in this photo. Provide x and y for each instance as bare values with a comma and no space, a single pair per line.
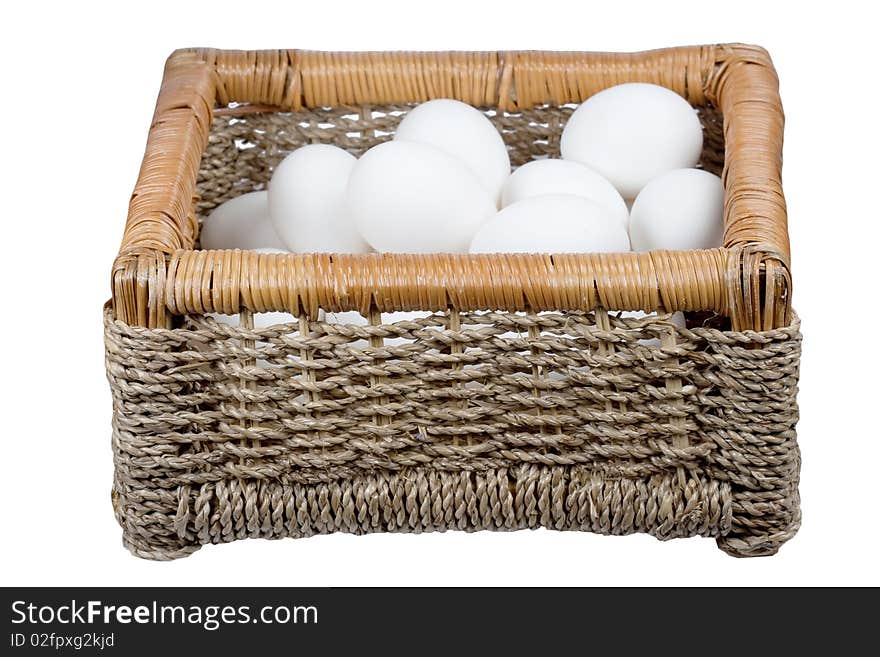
170,524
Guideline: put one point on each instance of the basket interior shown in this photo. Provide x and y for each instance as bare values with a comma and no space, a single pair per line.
244,147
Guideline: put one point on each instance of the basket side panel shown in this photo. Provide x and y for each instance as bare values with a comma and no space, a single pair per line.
452,421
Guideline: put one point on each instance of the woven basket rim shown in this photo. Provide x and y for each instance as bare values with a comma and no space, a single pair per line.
748,279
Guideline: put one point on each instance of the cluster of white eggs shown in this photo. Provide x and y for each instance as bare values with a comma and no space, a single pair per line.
625,180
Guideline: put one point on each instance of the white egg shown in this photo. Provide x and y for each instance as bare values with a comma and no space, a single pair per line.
541,177
346,317
632,133
240,223
307,201
407,197
555,223
680,210
261,320
463,132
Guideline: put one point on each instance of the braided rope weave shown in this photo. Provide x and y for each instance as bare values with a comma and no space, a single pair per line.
507,421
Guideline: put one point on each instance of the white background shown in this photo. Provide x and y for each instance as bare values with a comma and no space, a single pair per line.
79,84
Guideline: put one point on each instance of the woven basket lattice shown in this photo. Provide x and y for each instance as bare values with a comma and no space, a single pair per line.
520,396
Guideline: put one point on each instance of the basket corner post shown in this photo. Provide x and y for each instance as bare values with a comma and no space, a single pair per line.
153,514
138,290
759,454
760,285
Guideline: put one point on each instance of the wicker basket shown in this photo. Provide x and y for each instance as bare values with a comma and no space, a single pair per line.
523,400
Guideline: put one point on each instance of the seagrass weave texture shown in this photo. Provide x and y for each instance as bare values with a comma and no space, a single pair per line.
518,396
459,421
